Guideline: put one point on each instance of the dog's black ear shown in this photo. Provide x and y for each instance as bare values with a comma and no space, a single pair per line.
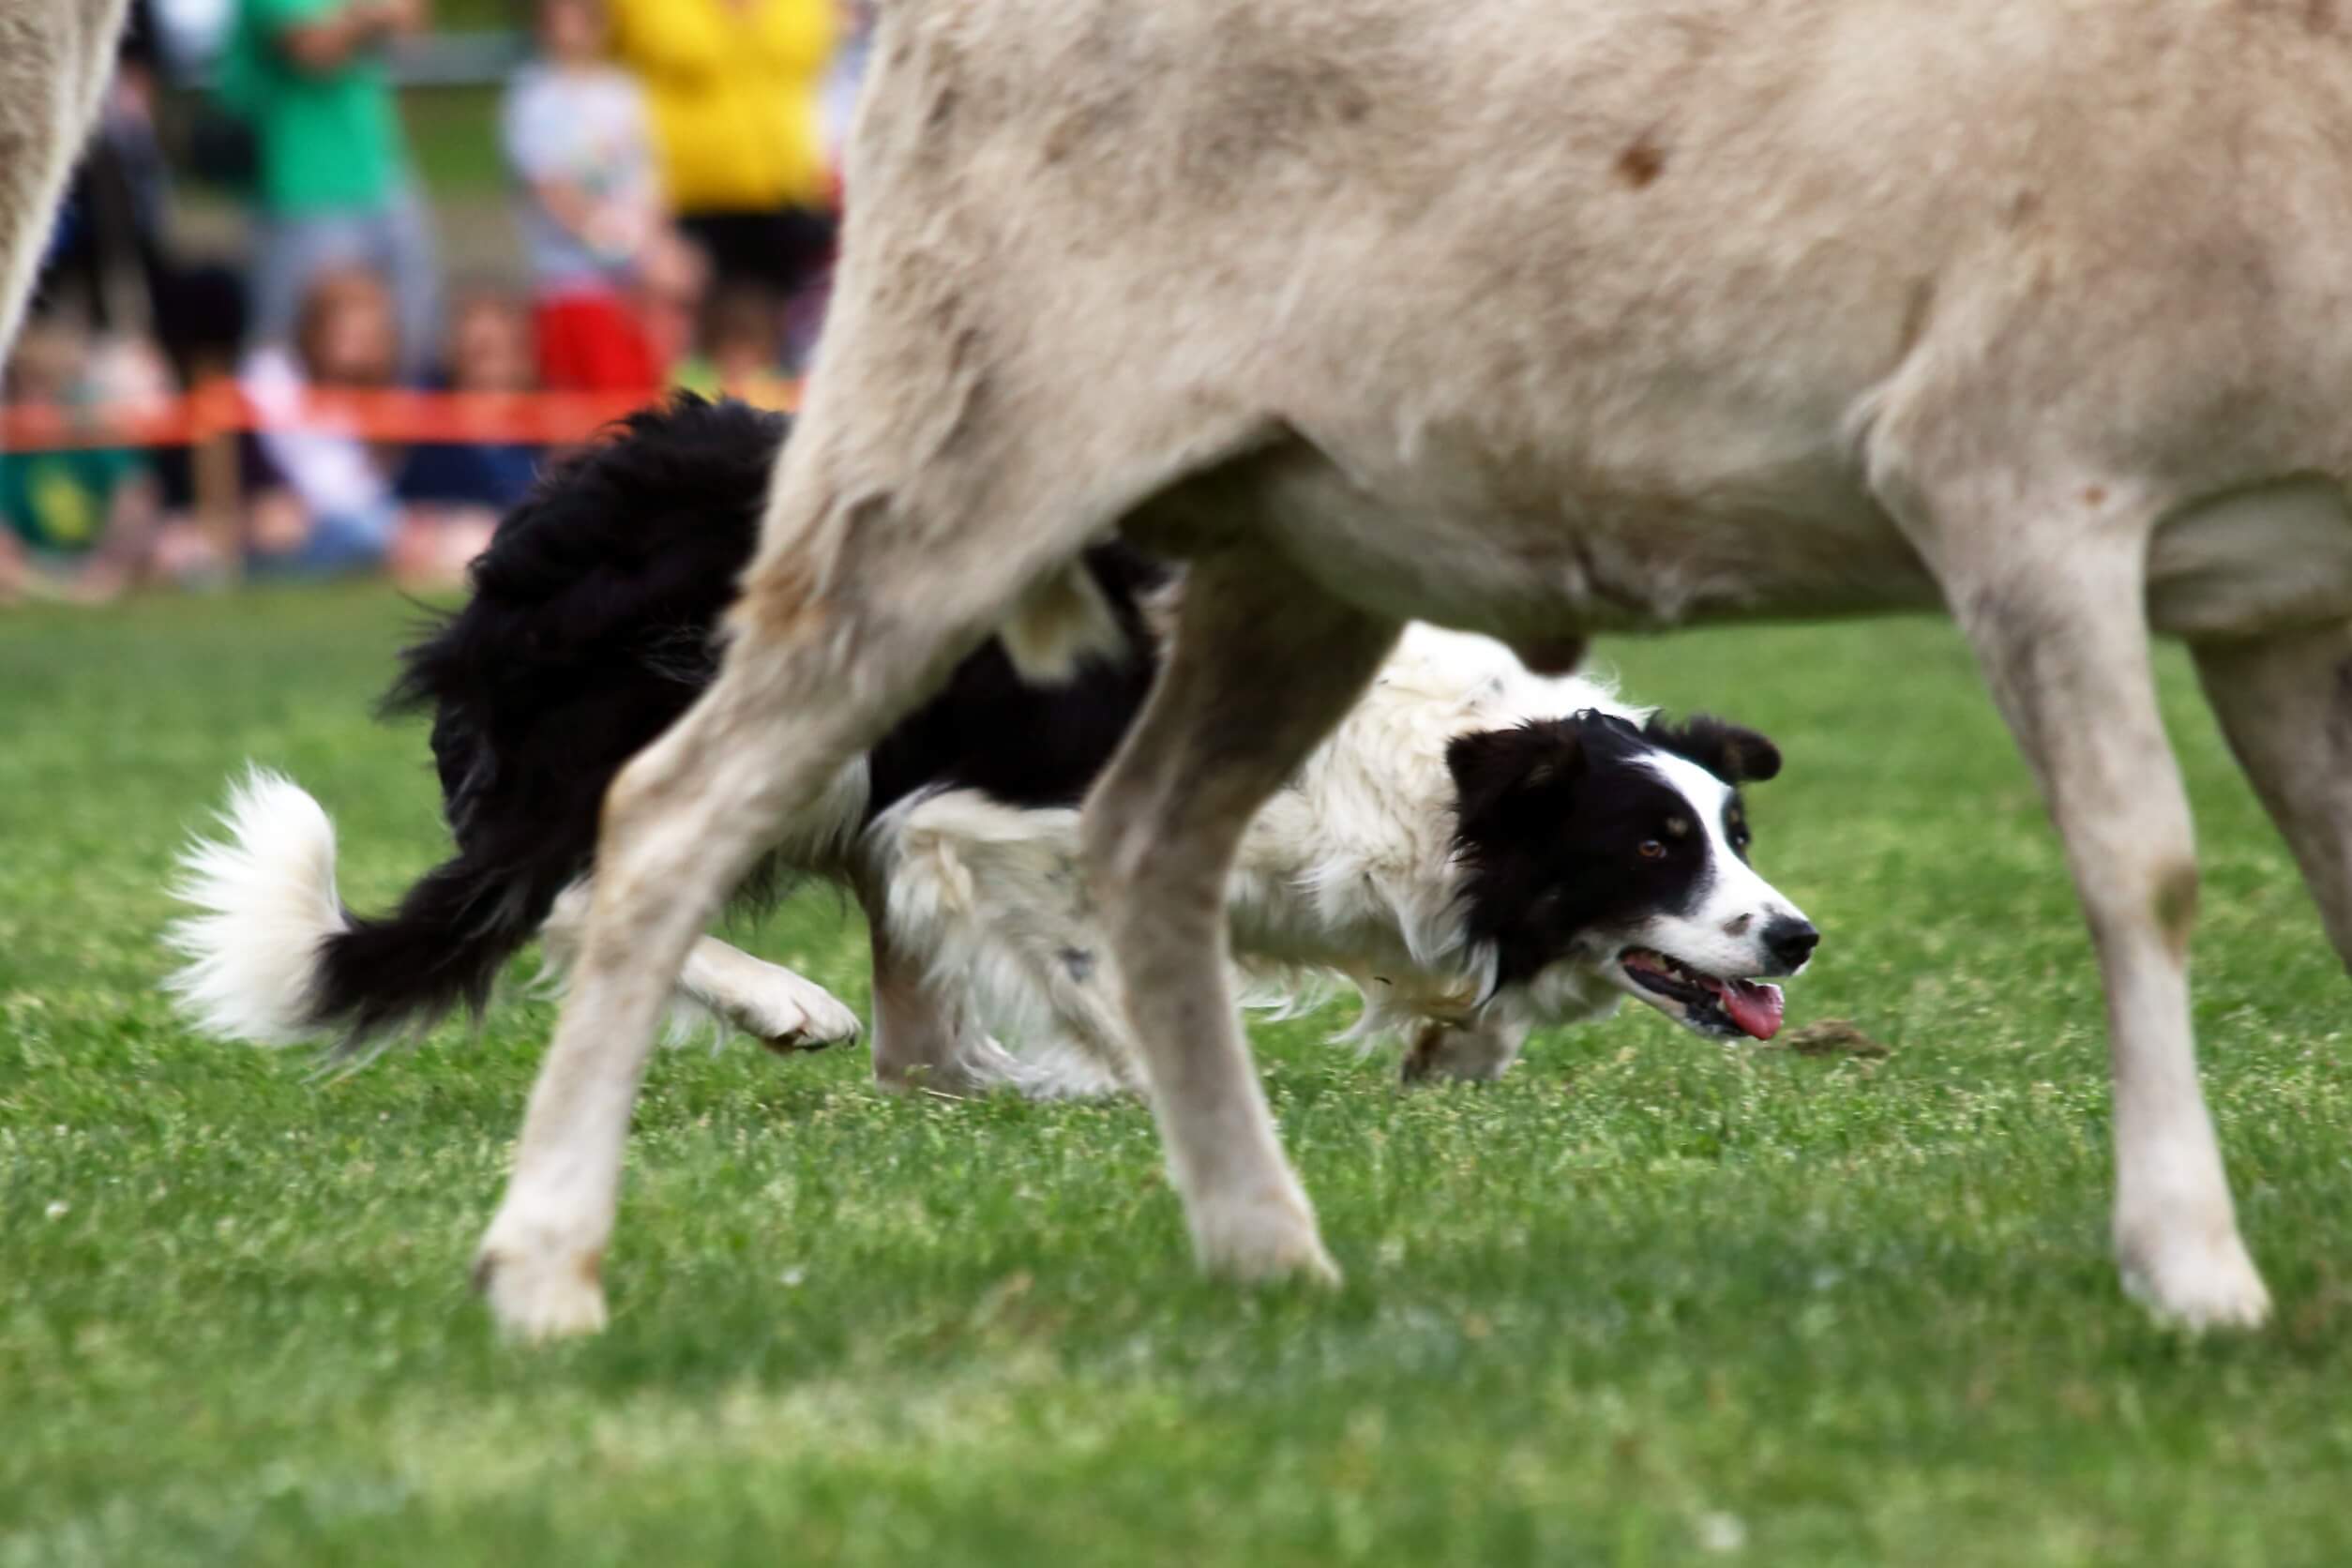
1731,753
1536,763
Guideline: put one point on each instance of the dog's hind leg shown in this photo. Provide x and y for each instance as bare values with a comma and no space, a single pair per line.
2285,703
926,1035
1264,664
993,896
2054,601
1478,1052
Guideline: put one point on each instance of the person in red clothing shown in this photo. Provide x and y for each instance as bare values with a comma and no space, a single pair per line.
593,218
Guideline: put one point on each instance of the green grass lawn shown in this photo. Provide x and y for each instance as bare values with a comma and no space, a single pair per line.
1649,1300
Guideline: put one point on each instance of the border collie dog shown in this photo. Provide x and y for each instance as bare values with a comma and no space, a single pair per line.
1477,849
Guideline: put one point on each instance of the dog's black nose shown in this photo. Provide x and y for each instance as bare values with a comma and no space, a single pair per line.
1790,942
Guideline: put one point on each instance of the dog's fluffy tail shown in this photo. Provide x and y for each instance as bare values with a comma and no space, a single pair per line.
274,958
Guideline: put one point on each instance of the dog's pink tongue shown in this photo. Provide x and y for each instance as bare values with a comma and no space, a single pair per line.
1755,1008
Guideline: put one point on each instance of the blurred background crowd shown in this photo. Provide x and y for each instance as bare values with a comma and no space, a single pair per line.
569,203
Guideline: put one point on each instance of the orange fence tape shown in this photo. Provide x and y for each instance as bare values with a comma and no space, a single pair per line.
526,418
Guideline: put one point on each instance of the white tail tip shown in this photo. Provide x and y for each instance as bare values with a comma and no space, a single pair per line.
262,899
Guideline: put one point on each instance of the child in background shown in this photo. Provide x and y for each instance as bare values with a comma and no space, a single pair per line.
742,357
592,214
672,289
455,492
78,523
326,504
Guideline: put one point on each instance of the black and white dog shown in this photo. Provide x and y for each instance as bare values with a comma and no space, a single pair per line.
1476,848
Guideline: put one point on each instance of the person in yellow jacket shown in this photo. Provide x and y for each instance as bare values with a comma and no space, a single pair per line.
735,89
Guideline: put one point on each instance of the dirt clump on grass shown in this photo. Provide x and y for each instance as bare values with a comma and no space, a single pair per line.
1834,1038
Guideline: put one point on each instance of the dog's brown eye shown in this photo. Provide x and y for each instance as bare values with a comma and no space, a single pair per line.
1651,849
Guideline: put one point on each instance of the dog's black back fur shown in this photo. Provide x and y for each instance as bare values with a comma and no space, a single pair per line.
589,630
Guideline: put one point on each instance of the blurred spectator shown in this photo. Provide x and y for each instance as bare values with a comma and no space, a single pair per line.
739,358
672,292
735,89
334,190
325,503
330,502
77,523
593,219
191,34
454,492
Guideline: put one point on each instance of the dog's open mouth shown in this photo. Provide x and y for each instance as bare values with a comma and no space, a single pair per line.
1732,1006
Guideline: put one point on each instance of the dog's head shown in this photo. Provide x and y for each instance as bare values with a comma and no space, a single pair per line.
1586,841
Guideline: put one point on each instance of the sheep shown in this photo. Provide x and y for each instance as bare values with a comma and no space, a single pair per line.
1545,318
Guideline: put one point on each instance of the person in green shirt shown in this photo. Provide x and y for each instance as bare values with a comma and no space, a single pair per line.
73,524
333,186
76,522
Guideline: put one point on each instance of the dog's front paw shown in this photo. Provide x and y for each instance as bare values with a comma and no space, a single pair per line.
801,1015
2195,1278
